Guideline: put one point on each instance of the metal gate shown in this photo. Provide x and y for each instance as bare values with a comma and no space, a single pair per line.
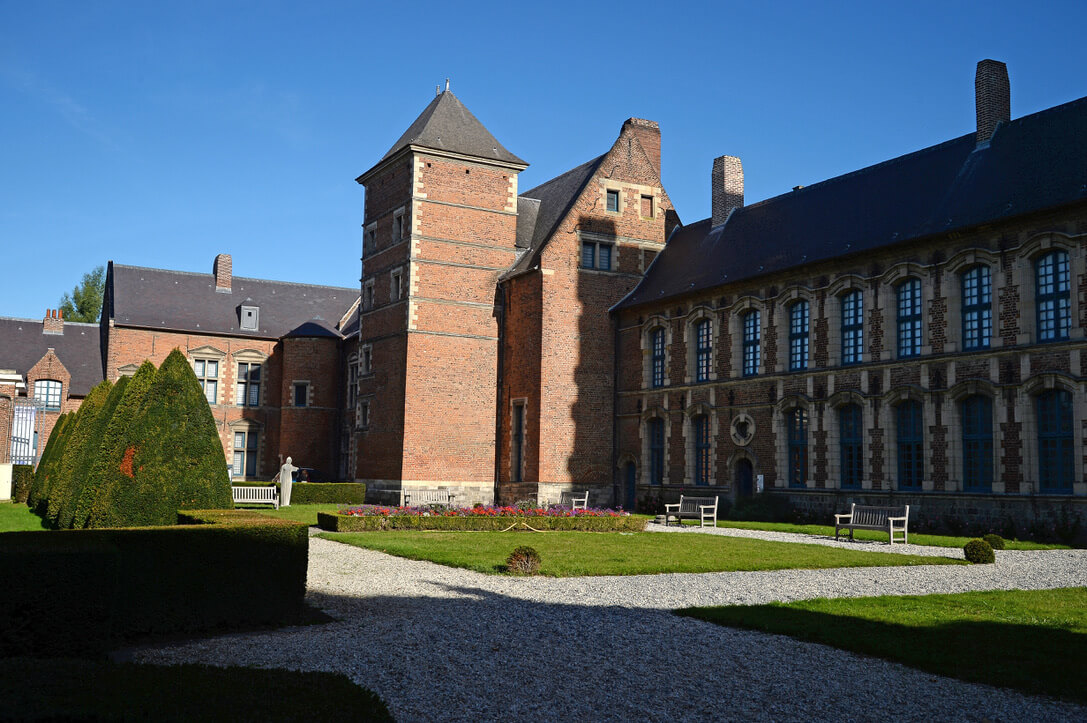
25,429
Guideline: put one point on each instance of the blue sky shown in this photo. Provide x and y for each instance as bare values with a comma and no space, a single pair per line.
160,134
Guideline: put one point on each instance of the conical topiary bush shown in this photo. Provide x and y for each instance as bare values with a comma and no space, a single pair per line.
43,475
79,433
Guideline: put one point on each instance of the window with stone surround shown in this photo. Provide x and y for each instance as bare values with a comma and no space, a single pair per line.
300,395
752,333
703,332
910,436
799,322
976,416
247,393
655,431
1056,458
908,296
596,255
1052,296
700,426
851,441
977,308
245,453
207,373
656,372
366,359
362,415
352,381
852,327
646,208
368,295
612,203
797,435
396,285
48,391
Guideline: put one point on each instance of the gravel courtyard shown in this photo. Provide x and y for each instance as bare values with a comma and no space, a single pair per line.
439,643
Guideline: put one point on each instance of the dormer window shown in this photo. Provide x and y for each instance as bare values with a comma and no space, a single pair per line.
250,318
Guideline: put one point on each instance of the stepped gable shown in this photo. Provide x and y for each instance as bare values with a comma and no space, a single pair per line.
22,345
1031,164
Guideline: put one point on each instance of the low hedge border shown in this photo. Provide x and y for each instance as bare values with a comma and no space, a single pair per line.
315,493
22,477
78,592
332,522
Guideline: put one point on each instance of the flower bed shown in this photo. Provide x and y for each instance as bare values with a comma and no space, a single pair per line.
367,518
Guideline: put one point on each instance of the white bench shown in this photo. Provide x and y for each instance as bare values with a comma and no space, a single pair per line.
868,517
256,495
427,497
703,509
581,502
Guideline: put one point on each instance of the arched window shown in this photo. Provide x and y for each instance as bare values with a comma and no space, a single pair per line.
1055,441
798,447
852,327
851,432
655,429
703,350
977,443
1052,296
977,308
908,295
701,428
656,372
799,315
751,346
911,445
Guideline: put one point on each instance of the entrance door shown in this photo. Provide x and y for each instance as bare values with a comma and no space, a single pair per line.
745,478
629,474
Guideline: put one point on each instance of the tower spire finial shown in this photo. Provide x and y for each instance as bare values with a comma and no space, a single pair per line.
447,83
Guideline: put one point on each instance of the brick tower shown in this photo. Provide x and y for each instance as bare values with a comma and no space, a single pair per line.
440,227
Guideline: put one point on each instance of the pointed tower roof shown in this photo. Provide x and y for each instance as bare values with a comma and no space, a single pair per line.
446,125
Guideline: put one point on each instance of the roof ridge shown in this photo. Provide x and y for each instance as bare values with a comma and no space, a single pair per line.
562,175
40,321
240,278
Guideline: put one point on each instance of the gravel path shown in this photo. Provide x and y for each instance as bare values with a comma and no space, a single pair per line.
439,643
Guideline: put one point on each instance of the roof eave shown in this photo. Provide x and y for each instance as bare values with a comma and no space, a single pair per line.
413,148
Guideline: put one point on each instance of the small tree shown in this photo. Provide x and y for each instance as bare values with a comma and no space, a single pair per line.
85,301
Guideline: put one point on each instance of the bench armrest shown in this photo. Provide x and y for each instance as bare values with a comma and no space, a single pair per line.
847,517
672,506
897,519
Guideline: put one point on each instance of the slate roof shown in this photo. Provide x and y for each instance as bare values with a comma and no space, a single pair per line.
185,301
22,345
446,125
313,328
1030,164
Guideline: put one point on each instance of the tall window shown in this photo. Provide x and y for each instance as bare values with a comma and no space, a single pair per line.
704,351
852,443
977,444
798,447
207,371
1055,441
852,327
911,445
596,255
908,294
656,372
48,391
1052,296
248,391
245,454
612,200
656,451
301,394
701,427
517,434
352,383
977,308
752,333
799,314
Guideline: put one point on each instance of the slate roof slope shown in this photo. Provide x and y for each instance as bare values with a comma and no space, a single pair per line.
186,301
22,345
1031,164
447,125
316,327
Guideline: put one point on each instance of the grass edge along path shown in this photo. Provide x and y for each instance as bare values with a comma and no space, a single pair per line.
1032,640
574,554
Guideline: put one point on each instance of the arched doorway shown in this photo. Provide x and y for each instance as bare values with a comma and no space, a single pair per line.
745,478
629,478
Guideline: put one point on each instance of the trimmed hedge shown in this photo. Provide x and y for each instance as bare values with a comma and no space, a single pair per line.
349,523
22,479
81,439
80,591
43,477
313,493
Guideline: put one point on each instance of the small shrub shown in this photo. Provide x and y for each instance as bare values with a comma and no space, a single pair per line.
995,541
979,552
523,560
22,477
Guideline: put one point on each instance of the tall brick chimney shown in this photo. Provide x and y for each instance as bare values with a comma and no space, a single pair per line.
728,187
53,323
222,269
648,134
992,93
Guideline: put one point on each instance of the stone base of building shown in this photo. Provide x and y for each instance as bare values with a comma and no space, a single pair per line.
391,491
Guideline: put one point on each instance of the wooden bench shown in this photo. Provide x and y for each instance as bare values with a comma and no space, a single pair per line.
883,519
245,495
703,509
427,497
567,499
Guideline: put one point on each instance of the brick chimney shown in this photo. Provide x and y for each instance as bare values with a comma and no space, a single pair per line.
648,134
53,323
992,93
728,187
222,269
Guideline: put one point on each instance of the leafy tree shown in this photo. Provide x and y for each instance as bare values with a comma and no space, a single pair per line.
85,301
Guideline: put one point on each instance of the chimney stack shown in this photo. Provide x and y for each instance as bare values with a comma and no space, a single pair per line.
53,323
222,269
992,94
728,187
648,134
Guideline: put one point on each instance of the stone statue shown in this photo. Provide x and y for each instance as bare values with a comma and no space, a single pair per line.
286,474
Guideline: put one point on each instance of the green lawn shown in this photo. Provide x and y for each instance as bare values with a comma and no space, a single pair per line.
571,554
1032,640
16,517
915,539
299,513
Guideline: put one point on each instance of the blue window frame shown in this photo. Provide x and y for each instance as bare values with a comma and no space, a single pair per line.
751,347
798,447
656,372
977,444
908,294
1056,467
656,451
852,327
911,445
851,430
799,317
1053,296
977,308
613,200
704,350
701,427
48,391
